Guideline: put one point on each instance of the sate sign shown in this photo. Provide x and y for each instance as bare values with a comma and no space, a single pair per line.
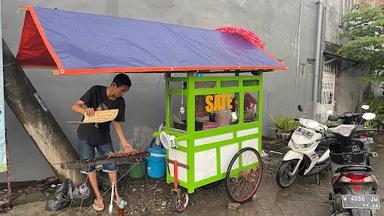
218,102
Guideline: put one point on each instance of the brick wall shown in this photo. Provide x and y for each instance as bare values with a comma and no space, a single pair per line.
375,3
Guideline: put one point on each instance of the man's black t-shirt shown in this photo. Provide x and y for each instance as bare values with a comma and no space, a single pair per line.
96,97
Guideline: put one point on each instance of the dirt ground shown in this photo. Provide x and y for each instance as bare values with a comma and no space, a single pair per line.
152,197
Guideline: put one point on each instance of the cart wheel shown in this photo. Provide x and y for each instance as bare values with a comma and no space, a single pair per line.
180,201
242,184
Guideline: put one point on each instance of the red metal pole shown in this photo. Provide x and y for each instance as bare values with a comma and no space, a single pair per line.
175,174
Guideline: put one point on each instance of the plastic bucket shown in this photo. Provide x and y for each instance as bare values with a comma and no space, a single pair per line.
156,162
136,170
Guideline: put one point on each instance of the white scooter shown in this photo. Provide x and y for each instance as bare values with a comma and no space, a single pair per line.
307,156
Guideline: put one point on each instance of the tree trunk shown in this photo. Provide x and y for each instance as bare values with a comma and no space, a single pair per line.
27,106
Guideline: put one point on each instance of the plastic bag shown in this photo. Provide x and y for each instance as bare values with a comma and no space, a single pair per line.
61,198
66,194
81,191
81,195
223,117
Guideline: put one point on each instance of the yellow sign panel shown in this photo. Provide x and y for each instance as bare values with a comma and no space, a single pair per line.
218,102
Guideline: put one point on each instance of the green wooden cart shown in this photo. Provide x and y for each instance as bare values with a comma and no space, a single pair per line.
214,124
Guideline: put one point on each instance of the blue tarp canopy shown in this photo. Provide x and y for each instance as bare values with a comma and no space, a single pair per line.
79,43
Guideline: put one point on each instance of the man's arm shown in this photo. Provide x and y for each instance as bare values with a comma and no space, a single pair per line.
124,144
78,108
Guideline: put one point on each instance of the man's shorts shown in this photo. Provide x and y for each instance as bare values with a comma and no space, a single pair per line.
87,152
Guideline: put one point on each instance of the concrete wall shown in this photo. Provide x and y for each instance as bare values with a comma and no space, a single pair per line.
275,21
350,90
333,20
377,89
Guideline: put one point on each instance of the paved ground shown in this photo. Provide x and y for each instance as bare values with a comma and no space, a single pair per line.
151,197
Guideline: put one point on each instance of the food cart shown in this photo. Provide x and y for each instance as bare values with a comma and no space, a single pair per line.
213,87
208,142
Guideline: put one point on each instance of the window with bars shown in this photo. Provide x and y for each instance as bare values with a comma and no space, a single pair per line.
328,84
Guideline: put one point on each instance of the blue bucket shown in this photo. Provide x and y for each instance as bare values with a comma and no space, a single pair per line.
156,162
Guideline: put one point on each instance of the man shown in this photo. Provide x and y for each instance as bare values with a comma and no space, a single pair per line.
97,136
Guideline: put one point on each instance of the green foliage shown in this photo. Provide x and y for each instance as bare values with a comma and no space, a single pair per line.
284,124
3,167
364,35
376,105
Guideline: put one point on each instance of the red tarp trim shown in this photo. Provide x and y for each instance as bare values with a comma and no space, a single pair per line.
169,69
33,38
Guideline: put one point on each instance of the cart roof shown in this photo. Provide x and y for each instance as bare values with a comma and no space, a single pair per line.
80,43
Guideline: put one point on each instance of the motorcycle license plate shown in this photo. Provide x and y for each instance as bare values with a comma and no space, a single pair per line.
366,140
360,201
305,132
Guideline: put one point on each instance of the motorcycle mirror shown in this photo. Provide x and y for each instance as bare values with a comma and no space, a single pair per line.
313,124
329,112
300,108
365,107
333,118
369,116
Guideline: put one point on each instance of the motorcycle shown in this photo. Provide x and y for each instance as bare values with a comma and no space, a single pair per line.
349,118
306,156
352,118
354,187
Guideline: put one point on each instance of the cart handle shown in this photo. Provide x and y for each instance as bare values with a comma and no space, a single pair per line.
178,163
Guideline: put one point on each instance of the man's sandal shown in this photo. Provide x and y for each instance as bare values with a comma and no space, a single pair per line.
122,203
98,207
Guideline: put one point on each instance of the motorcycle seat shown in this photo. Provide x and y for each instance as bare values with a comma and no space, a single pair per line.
353,168
343,130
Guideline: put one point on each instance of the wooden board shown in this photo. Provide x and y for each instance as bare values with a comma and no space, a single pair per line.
100,116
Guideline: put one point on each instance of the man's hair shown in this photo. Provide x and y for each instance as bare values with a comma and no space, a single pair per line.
122,79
